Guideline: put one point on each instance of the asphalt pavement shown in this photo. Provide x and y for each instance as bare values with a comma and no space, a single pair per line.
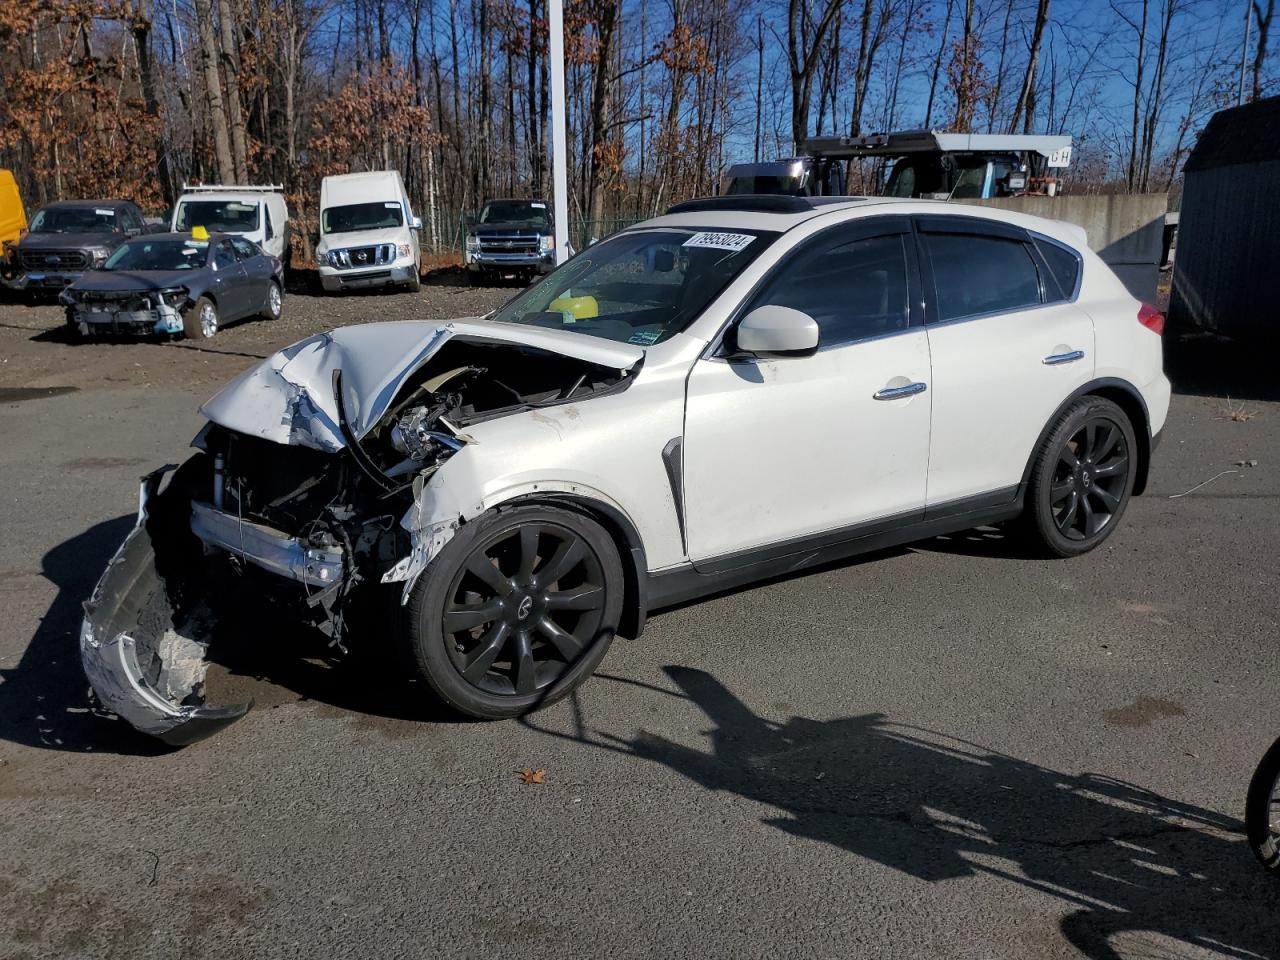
945,751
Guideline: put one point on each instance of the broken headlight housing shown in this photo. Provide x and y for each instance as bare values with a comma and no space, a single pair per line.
174,296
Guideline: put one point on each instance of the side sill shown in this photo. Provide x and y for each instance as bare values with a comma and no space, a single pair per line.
682,584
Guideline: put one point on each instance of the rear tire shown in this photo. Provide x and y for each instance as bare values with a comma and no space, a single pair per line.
1082,478
200,320
273,309
516,611
1262,811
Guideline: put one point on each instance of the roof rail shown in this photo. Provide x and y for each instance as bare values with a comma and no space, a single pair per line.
230,188
752,202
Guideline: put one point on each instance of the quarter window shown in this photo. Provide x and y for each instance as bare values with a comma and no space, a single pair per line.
244,248
853,290
1064,264
974,275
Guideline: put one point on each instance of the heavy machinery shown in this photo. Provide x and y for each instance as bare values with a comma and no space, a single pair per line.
927,164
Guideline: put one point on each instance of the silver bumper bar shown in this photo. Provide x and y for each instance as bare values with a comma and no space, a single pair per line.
264,547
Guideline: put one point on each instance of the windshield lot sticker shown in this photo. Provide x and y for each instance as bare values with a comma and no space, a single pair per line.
391,205
644,337
538,206
720,241
104,213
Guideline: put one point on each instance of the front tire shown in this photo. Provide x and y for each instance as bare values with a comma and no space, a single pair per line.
414,285
1262,811
516,611
1082,478
200,320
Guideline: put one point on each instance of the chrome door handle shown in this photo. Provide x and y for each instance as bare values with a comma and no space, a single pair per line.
897,393
1056,358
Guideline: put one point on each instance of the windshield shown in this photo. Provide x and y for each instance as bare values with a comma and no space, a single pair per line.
217,216
75,220
362,216
530,212
159,255
926,176
640,286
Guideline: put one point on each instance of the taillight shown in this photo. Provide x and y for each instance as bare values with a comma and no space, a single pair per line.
1151,318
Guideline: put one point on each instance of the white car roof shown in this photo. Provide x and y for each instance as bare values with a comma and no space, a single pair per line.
371,186
720,213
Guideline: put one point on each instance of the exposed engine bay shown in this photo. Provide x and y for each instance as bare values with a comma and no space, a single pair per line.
324,534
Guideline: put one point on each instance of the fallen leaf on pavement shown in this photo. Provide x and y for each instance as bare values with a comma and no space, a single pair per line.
531,776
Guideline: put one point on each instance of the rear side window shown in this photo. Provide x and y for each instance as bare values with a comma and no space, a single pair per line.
244,248
1064,265
975,274
853,290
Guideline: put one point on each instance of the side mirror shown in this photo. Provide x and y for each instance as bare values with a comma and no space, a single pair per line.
774,329
469,220
415,223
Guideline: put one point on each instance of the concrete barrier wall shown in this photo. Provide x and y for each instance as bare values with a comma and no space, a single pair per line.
1127,232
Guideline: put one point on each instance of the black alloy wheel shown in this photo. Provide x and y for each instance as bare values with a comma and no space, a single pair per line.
517,610
1089,478
1082,478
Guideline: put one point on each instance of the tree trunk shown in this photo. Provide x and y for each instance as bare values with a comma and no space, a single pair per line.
1026,96
231,70
1260,52
213,91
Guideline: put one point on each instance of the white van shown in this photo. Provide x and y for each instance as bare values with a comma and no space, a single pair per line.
368,233
255,213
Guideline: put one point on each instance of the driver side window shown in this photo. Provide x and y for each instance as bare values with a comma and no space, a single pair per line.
853,289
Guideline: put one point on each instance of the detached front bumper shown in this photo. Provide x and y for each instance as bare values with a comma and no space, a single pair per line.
142,665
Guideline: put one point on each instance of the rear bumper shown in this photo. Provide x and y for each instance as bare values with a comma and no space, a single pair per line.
165,697
333,280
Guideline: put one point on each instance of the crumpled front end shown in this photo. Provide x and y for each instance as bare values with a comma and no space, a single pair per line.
317,495
143,649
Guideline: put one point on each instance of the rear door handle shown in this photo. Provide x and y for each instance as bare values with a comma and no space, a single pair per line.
1056,358
897,393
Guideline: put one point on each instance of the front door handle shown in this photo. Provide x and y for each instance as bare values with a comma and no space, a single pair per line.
897,393
1069,357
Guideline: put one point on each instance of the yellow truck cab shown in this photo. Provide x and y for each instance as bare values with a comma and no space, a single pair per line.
13,217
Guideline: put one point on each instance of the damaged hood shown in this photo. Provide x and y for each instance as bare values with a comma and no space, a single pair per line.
288,398
120,281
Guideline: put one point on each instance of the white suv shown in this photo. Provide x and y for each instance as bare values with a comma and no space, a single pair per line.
744,387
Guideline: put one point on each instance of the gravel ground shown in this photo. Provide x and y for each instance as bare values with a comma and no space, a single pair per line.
36,352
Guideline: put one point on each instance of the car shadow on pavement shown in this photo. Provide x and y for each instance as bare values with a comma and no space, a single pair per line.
44,699
1137,871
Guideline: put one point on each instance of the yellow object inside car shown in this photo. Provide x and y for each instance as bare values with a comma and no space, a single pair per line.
13,218
199,233
576,308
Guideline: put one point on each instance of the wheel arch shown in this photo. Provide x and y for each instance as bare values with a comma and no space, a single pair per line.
1129,399
624,535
